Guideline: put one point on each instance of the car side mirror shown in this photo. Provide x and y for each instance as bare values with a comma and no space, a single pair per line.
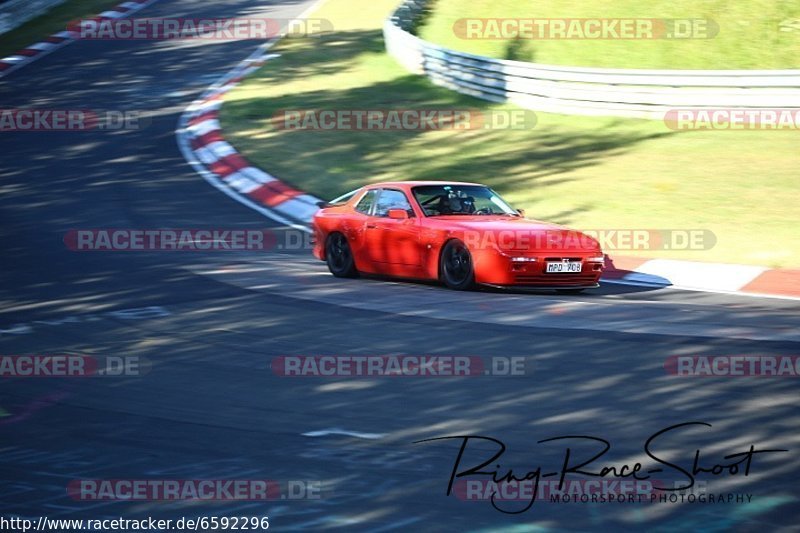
521,212
398,214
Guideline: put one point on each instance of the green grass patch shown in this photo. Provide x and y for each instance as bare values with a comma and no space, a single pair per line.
50,22
587,172
750,33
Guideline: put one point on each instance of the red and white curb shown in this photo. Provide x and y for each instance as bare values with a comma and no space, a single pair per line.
705,277
38,50
202,144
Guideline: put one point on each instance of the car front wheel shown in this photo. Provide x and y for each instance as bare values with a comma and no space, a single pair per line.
456,268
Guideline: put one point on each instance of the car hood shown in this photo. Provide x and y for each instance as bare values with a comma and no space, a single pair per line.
516,234
491,223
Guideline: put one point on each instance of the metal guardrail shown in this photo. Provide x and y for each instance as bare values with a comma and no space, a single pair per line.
14,13
584,91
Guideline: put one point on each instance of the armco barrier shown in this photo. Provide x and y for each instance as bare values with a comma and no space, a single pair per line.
584,91
14,13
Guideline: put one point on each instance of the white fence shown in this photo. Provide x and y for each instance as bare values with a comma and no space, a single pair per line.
585,91
14,13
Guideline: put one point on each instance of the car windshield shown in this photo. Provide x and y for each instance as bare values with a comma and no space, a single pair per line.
343,199
455,199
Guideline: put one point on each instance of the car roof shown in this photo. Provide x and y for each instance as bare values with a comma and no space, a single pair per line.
409,184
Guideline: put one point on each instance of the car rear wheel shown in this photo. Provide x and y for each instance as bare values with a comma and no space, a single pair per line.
456,268
339,256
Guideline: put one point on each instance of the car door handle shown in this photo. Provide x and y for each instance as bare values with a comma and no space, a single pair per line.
371,226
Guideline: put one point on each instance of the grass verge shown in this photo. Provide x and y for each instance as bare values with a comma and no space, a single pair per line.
753,34
587,172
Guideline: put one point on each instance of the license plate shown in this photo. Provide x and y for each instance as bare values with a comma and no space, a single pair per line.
571,266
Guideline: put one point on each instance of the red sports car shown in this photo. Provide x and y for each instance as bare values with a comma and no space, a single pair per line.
462,234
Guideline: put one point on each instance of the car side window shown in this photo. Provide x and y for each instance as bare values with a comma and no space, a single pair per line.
365,204
392,199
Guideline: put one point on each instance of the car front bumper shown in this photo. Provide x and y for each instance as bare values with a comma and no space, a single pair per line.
529,270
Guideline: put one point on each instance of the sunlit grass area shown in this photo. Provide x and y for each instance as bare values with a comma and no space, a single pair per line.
53,21
753,34
590,173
